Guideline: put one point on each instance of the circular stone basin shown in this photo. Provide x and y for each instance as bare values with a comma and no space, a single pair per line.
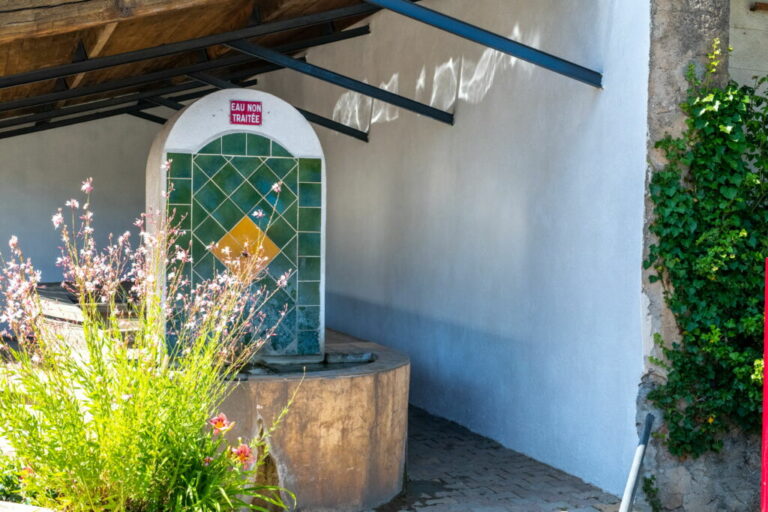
341,447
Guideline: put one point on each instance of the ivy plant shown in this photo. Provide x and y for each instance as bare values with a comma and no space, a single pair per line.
711,227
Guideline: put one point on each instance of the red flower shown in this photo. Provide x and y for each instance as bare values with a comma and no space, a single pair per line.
207,461
242,454
26,472
221,424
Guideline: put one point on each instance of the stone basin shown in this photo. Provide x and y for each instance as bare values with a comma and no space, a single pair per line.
342,445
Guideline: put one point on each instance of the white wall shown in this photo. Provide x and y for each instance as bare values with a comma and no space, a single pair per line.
749,39
40,171
503,254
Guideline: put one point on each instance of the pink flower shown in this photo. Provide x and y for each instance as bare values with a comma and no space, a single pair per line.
258,214
277,187
13,242
182,255
57,219
221,424
282,282
242,454
207,461
73,203
87,186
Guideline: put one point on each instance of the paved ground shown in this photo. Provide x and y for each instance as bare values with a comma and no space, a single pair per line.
451,469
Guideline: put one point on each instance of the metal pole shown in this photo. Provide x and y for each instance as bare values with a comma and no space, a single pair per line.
629,491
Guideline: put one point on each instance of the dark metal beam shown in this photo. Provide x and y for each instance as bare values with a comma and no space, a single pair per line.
173,72
327,75
148,117
184,46
134,97
333,125
165,102
208,79
491,40
72,120
309,116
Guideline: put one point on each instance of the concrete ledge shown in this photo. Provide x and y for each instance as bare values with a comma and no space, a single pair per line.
342,445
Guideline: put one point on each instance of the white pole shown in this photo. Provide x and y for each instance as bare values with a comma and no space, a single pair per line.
637,462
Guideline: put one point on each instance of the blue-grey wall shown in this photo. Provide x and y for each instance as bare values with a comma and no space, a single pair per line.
503,254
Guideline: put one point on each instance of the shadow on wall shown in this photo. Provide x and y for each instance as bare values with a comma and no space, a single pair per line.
439,380
458,78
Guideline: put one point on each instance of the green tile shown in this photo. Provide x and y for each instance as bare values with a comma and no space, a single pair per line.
308,342
284,335
258,145
209,231
210,163
281,201
210,196
308,317
228,179
198,213
184,240
233,144
309,269
292,180
246,197
310,219
280,232
279,266
204,266
263,179
218,266
228,214
310,194
213,147
281,166
309,244
278,150
181,165
199,178
291,214
309,293
180,191
291,250
245,165
262,222
180,215
310,170
198,249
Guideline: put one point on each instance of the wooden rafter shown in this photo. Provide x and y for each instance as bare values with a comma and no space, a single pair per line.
35,18
93,48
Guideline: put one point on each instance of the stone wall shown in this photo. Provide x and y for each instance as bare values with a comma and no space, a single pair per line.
682,32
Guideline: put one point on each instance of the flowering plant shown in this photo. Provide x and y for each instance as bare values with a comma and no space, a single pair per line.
125,419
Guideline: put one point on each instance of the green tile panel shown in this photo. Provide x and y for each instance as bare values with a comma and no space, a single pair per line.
232,177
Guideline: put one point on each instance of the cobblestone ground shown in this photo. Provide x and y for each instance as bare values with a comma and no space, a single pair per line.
451,469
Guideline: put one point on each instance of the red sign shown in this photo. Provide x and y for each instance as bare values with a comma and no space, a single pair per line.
244,112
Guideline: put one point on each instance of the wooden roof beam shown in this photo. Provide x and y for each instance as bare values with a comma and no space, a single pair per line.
27,18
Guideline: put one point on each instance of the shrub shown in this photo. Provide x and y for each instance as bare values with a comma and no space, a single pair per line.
127,420
711,223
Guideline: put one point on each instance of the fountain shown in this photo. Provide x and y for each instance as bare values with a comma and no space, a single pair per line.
342,445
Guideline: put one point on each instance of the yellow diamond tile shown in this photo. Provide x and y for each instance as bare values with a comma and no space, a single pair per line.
245,240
